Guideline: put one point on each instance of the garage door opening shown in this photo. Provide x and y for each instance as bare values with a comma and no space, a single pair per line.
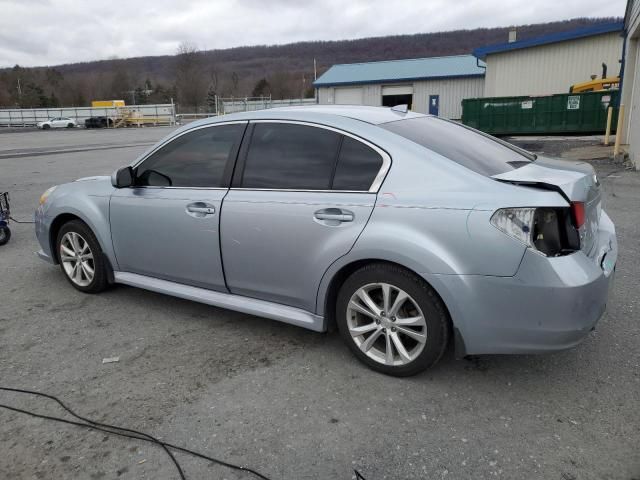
393,95
393,100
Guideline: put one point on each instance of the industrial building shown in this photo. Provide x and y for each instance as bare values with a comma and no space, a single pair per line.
434,85
552,63
631,82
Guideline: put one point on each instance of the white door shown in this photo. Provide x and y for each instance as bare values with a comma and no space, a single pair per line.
348,96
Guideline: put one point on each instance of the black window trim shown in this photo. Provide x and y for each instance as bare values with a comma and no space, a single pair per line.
228,171
236,184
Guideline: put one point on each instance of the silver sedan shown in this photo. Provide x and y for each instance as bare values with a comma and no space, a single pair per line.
405,231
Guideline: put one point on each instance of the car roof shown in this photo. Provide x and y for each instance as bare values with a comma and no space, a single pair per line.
372,115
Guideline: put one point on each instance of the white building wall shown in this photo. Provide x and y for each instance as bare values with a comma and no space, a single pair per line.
631,86
451,91
552,68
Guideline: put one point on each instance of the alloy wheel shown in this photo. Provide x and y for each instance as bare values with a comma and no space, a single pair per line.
77,259
386,324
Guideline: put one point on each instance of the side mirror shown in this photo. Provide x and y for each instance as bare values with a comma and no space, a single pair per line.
122,178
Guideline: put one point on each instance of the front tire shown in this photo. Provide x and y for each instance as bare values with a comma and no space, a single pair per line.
392,320
5,234
70,125
81,258
46,127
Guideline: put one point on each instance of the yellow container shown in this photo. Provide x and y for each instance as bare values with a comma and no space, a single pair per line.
107,103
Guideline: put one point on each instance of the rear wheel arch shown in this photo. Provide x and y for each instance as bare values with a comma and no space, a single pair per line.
345,271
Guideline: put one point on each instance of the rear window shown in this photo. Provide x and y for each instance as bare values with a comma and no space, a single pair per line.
358,166
478,152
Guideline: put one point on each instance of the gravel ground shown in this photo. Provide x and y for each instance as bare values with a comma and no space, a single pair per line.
292,403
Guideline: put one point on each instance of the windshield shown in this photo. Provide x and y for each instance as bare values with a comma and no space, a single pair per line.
475,150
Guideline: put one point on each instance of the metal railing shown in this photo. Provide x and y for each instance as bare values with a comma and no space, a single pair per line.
160,114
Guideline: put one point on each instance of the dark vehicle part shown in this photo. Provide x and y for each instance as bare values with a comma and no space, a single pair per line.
98,122
5,214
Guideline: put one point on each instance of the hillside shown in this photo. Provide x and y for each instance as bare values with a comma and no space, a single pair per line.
194,76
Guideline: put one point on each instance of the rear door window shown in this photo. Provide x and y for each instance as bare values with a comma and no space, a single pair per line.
290,156
358,165
478,152
194,159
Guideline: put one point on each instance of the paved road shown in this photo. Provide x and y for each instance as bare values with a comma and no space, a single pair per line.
292,403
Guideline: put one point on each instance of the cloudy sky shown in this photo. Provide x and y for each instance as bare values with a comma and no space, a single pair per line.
50,32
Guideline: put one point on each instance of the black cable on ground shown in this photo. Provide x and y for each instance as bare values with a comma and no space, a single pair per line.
123,432
19,221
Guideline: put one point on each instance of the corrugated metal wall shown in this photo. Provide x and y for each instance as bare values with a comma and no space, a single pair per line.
553,68
631,85
451,91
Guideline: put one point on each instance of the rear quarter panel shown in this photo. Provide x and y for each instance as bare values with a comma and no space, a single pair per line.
432,216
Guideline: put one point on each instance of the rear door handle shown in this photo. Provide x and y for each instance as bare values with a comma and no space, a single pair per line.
334,214
201,208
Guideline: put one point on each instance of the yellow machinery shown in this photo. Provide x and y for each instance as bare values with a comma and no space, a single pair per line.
597,84
107,103
124,116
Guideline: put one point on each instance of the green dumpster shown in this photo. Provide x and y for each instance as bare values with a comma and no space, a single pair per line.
580,113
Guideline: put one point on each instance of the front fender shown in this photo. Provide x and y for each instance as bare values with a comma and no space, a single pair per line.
89,201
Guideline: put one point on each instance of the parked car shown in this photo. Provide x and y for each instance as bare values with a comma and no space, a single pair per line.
98,122
58,122
404,230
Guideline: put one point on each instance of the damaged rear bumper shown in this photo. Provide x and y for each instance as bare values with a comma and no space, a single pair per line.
550,304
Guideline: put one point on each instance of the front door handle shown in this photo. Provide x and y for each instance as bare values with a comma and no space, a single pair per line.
334,215
201,208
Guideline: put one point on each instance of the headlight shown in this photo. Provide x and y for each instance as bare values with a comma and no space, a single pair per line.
45,195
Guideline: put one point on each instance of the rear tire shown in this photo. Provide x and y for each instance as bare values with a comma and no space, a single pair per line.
411,336
5,235
81,258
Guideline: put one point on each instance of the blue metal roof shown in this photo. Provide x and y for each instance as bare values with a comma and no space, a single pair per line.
598,29
401,70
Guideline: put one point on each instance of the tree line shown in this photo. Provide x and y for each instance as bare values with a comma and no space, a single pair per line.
193,78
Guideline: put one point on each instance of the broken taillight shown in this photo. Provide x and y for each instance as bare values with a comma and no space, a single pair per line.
547,230
578,213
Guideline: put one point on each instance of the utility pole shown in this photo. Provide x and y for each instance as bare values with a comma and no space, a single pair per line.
19,94
315,77
304,81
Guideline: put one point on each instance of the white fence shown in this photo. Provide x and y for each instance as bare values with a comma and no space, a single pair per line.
24,117
249,104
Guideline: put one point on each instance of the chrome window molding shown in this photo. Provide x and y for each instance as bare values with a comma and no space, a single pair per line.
158,187
377,181
209,125
297,190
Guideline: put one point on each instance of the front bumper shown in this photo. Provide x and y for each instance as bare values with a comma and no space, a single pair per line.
42,225
550,304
